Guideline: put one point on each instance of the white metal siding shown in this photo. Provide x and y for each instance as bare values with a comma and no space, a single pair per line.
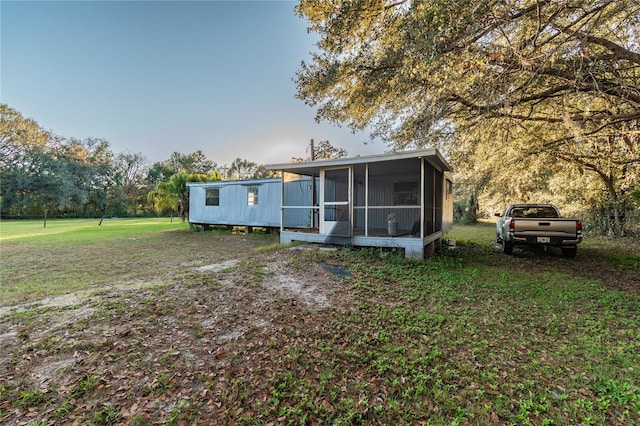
233,208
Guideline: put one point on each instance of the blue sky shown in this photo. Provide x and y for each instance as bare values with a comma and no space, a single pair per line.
162,76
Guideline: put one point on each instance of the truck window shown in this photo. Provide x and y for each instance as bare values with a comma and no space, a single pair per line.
533,212
548,212
540,212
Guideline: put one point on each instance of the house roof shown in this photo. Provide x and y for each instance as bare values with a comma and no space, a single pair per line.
312,168
219,183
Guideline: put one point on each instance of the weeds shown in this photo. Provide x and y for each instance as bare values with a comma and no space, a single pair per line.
182,413
64,409
30,398
88,383
109,415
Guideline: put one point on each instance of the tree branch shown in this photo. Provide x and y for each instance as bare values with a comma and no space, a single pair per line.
620,51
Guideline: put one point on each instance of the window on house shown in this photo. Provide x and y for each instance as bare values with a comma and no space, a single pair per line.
449,188
212,197
252,196
405,193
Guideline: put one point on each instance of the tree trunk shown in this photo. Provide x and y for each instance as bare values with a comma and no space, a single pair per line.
184,211
615,208
617,218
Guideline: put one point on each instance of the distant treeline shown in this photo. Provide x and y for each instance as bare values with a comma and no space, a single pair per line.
45,174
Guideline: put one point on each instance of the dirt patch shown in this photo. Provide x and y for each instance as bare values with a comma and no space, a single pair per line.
49,302
215,267
220,337
307,292
312,287
149,346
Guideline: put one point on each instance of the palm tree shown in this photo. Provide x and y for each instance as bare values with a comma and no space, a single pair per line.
174,193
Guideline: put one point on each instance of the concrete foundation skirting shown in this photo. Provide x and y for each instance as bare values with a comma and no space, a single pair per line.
414,248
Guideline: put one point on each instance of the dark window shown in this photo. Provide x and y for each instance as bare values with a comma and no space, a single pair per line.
405,193
449,188
213,197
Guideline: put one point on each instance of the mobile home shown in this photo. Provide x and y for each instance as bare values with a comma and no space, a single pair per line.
249,203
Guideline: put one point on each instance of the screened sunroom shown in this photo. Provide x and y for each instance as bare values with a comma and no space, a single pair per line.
402,200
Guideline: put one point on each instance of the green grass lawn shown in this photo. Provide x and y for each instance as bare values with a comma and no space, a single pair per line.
470,336
61,231
75,254
488,338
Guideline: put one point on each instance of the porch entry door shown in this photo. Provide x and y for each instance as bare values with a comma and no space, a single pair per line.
335,202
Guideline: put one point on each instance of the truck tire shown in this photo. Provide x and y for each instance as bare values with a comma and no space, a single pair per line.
569,251
507,246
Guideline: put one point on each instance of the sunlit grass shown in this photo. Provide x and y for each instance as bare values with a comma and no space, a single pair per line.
71,255
482,232
82,229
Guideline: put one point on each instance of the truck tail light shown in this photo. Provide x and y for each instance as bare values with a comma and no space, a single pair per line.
512,225
578,227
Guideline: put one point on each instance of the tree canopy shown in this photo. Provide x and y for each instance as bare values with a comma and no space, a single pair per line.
43,173
195,163
507,82
241,169
323,150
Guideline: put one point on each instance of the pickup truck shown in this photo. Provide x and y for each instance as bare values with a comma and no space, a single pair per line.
537,225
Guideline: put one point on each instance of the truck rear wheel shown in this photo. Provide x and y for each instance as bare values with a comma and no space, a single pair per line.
507,246
569,251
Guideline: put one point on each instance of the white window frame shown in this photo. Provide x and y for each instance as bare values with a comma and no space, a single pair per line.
252,195
207,198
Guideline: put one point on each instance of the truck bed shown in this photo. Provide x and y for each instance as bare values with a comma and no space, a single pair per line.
548,227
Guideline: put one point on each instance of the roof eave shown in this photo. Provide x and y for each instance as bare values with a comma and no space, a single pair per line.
311,167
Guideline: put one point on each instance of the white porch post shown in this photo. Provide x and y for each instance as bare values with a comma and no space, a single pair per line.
366,200
422,230
282,201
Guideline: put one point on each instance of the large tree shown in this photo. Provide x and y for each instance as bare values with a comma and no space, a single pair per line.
130,181
88,166
18,135
559,79
22,144
43,173
241,169
193,163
